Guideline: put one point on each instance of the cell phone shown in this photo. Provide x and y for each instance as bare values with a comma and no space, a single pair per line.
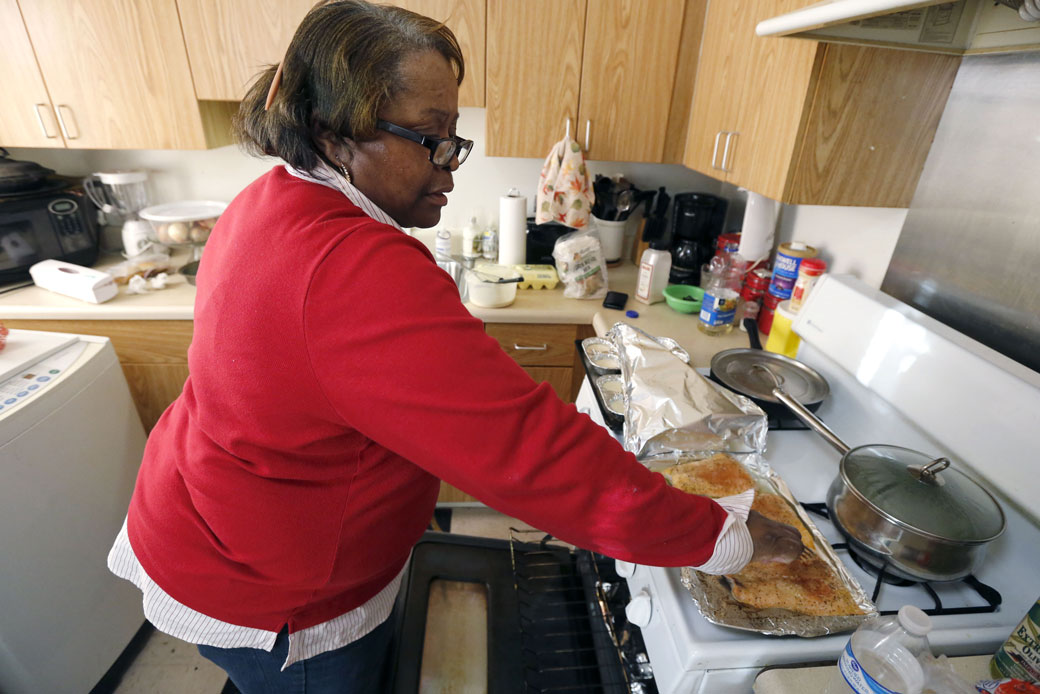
615,300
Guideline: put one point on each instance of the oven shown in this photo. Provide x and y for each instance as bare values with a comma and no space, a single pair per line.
528,615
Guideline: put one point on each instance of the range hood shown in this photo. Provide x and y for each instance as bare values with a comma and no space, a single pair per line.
961,27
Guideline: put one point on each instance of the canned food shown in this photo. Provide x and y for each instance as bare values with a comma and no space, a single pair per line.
789,258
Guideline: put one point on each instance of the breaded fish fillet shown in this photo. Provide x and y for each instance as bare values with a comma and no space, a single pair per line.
717,476
806,585
775,507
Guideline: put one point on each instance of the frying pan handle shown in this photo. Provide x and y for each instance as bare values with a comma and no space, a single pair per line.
811,420
751,325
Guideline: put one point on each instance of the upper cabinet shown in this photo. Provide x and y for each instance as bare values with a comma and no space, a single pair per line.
27,117
230,41
812,123
607,66
116,72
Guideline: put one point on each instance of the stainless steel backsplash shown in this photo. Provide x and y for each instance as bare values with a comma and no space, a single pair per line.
969,251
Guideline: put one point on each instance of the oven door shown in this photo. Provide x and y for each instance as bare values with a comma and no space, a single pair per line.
527,615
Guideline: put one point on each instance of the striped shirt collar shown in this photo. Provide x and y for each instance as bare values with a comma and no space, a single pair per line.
327,176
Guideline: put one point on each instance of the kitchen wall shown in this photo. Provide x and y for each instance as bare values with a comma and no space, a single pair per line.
856,240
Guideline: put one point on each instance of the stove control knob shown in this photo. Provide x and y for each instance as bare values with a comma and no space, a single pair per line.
640,609
625,569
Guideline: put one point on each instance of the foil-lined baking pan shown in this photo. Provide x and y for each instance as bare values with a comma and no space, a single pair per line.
669,406
716,602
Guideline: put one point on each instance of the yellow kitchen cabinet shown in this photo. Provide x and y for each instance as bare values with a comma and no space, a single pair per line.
231,41
812,123
116,72
152,353
607,66
26,113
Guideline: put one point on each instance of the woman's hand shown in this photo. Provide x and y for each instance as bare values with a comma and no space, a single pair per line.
773,541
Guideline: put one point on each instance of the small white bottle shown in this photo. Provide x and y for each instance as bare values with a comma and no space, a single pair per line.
472,240
884,652
654,266
443,244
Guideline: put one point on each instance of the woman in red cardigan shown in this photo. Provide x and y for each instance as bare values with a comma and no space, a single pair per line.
336,378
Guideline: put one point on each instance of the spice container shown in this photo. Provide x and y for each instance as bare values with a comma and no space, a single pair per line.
755,284
808,272
653,273
789,257
765,314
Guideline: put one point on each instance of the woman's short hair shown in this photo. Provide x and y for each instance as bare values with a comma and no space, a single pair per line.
342,65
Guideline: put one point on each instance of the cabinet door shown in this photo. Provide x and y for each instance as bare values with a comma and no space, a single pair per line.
117,71
26,115
720,76
467,19
774,97
229,42
628,71
533,74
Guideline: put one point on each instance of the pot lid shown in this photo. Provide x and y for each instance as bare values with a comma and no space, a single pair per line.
734,368
923,493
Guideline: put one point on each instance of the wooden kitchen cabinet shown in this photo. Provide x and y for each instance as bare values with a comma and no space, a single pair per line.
152,353
812,123
26,113
608,66
229,42
116,72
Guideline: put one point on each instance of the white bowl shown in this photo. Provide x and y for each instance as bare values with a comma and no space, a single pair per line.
488,294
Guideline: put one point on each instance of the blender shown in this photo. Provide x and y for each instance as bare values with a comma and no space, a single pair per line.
123,193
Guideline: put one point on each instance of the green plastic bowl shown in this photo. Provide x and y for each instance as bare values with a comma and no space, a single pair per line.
684,298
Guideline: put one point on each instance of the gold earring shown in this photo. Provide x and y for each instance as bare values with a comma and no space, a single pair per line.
343,168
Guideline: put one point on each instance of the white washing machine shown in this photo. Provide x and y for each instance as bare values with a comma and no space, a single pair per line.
70,446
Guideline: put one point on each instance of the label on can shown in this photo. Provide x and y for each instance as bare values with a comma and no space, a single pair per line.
719,310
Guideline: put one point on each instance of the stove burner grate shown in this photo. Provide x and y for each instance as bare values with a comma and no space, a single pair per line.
990,597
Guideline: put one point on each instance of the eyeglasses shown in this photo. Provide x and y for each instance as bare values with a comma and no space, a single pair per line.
442,149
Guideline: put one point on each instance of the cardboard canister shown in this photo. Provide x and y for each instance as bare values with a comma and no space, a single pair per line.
789,258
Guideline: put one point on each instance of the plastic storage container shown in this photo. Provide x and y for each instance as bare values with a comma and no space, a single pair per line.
186,223
486,291
882,655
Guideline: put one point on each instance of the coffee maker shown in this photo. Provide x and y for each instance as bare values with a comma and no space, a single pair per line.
697,221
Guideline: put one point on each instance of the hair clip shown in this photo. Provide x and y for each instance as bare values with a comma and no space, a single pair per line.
275,83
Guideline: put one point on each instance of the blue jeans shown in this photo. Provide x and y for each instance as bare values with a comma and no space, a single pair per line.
357,668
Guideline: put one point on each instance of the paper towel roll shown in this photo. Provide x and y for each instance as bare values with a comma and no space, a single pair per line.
756,234
512,229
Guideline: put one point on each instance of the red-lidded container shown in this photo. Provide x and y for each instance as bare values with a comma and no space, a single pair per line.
727,243
765,315
755,284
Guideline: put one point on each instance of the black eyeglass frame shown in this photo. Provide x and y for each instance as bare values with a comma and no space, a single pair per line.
459,147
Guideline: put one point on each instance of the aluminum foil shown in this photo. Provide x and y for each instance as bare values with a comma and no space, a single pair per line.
715,601
670,407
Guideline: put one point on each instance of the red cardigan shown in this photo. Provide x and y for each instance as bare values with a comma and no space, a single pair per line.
335,376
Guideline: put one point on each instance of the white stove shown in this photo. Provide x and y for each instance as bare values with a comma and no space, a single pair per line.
864,343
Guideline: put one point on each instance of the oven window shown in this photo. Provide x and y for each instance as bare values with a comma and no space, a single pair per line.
455,647
17,245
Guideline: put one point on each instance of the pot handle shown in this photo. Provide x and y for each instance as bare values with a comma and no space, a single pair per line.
811,420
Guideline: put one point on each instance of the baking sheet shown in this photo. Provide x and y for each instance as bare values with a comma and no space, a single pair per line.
712,593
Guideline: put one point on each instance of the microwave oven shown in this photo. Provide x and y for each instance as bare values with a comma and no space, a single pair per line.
57,221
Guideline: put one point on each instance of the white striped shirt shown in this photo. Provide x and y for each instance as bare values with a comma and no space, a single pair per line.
733,549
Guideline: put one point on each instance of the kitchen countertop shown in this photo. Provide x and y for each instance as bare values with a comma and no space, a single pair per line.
796,680
176,302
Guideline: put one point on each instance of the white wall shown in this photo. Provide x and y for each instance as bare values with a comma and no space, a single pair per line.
857,240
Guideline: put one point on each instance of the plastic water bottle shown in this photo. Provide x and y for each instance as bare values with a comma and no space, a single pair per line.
882,655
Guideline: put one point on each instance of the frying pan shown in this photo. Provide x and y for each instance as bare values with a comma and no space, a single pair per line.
907,512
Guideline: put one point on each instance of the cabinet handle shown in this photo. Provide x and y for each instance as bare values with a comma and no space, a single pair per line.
39,119
541,348
725,151
715,152
588,130
72,119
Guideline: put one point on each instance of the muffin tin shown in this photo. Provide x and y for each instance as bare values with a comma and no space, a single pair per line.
606,383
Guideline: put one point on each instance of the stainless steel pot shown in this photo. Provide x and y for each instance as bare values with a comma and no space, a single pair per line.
906,511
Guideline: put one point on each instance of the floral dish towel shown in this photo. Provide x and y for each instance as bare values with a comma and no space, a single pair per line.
564,192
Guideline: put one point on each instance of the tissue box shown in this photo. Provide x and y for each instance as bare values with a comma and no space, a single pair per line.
76,281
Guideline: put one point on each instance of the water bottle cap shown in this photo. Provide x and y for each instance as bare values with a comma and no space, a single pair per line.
914,620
